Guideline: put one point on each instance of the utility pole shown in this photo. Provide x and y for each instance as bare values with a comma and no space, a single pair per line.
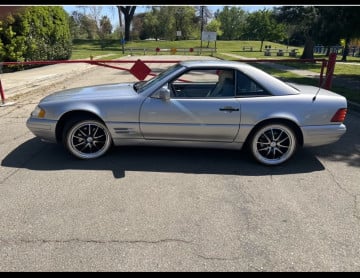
122,40
202,26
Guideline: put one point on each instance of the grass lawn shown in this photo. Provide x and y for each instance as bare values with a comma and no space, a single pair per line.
83,49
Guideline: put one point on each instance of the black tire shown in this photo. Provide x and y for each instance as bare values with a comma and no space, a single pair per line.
86,138
273,143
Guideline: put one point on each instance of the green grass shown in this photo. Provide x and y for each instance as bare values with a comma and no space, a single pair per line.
83,49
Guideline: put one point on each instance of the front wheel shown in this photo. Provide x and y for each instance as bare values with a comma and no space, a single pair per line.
87,139
273,144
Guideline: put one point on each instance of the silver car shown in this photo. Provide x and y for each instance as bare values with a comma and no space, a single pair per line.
213,104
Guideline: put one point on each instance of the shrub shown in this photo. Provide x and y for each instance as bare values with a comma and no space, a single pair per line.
35,33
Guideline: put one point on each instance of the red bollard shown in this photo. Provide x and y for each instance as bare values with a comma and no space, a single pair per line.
330,71
2,93
3,97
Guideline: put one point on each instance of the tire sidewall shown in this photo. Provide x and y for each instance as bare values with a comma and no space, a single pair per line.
273,162
71,128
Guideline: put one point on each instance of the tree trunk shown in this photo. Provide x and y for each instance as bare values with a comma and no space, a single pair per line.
346,50
308,49
128,12
261,46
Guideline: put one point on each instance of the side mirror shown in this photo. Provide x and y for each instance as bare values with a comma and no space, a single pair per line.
162,93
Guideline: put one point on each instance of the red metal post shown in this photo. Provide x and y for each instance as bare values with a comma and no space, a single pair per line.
323,66
2,93
330,71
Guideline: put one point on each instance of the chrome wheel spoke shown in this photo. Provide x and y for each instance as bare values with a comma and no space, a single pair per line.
274,144
89,139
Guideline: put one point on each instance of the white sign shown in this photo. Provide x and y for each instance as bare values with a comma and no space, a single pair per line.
208,36
178,33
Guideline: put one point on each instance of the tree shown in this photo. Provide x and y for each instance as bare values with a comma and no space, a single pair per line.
164,21
36,33
305,18
137,26
214,26
128,12
152,27
7,10
336,23
204,14
83,26
263,26
104,31
232,21
105,27
185,20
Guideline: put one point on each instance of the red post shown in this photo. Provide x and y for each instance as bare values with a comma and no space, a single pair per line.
2,93
330,71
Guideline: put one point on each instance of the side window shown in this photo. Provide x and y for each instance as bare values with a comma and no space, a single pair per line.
204,83
247,87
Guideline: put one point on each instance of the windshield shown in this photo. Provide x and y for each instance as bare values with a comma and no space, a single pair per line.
143,85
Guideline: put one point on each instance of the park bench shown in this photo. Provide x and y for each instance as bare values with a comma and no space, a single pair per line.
136,50
247,48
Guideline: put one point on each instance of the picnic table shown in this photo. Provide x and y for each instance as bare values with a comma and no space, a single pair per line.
281,52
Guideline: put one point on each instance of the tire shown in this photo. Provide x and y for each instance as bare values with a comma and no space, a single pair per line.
87,138
273,144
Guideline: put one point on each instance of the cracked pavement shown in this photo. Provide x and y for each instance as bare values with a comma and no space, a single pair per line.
166,209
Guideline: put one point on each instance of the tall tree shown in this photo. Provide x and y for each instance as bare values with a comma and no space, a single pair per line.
336,23
263,26
305,18
128,12
164,21
232,21
185,20
104,31
152,27
36,33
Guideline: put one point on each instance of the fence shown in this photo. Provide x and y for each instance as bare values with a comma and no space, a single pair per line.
353,50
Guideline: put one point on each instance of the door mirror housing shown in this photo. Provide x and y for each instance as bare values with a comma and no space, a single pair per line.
162,93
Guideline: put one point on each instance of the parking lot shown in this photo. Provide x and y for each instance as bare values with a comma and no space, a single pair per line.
172,209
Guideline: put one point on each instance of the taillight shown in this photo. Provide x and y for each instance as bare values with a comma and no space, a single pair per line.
339,115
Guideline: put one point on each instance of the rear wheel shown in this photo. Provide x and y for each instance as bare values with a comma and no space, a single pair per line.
273,144
87,138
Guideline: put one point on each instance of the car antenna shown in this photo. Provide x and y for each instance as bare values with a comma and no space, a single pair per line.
314,98
318,91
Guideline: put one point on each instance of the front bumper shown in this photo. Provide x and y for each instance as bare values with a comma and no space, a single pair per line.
42,128
322,135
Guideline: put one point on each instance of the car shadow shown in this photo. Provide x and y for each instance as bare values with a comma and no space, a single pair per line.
38,156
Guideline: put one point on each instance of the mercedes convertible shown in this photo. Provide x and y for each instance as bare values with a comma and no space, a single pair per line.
211,104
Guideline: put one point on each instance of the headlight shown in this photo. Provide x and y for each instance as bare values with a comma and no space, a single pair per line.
38,112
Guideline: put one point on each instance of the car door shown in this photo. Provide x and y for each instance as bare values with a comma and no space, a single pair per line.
189,118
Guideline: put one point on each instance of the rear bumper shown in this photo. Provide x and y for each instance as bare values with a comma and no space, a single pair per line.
322,135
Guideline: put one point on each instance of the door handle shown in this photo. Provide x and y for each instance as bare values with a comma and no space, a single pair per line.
228,108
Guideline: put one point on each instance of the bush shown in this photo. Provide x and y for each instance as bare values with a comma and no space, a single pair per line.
35,33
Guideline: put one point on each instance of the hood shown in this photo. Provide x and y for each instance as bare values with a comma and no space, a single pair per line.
90,92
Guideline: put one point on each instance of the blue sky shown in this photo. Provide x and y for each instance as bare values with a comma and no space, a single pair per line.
111,11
